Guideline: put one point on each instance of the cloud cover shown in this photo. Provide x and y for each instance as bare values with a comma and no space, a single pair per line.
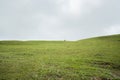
58,19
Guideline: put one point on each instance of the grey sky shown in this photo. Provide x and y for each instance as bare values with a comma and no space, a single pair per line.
58,19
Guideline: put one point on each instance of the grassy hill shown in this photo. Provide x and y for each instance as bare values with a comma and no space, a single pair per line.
90,59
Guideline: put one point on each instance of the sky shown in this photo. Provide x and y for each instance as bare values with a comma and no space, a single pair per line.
58,19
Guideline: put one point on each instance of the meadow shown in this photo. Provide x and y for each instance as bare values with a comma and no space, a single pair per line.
89,59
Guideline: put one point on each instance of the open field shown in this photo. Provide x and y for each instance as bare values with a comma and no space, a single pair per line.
89,59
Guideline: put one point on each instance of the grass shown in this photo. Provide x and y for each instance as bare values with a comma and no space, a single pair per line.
89,59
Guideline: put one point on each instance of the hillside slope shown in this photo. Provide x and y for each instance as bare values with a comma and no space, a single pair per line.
90,59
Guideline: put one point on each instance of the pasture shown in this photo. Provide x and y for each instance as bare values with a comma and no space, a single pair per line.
90,59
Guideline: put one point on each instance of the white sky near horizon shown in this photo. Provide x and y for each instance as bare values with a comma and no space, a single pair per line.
58,19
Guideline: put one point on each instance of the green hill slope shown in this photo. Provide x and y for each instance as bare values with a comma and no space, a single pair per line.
90,59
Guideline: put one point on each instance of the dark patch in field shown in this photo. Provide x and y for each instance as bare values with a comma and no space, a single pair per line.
3,79
116,67
98,78
107,65
103,63
25,54
118,40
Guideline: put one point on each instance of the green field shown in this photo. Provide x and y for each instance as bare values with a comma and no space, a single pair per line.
90,59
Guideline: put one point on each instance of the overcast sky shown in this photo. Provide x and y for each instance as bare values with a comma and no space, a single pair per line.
58,19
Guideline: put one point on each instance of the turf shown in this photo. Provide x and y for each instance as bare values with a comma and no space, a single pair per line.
90,59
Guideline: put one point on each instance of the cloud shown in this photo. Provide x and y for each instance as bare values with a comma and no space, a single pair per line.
115,29
78,7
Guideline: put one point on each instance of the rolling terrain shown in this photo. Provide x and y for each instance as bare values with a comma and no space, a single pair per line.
89,59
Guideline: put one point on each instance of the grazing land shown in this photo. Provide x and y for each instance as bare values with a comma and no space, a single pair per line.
90,59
